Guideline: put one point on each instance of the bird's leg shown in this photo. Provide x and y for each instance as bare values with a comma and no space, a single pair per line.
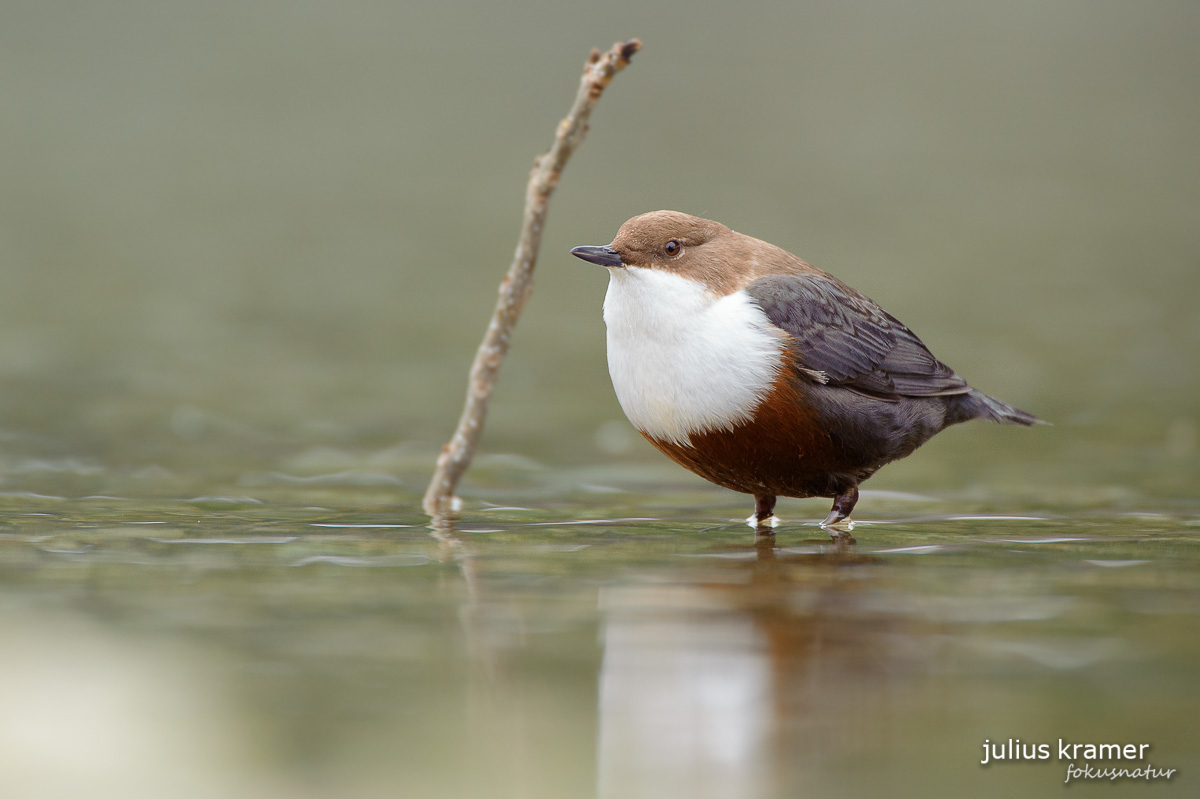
764,514
843,503
764,506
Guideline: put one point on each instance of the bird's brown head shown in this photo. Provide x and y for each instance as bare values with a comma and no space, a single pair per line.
699,249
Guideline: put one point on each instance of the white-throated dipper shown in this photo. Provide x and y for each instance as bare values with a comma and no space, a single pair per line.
762,373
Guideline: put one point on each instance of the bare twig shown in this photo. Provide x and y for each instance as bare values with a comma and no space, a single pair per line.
518,283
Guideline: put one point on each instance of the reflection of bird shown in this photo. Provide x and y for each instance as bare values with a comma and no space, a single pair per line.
748,677
762,373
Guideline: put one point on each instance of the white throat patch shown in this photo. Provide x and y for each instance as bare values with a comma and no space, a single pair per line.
683,360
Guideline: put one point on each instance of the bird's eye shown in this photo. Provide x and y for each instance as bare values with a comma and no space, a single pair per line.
672,247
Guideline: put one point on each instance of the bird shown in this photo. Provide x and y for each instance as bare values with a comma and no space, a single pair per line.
764,374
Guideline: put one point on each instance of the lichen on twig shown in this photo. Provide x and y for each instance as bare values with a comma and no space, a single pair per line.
517,285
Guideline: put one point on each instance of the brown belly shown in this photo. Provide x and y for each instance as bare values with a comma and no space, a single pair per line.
808,441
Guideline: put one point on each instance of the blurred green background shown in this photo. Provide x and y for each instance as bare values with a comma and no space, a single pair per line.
231,231
247,250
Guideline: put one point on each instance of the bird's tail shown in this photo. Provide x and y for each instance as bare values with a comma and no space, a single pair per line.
980,406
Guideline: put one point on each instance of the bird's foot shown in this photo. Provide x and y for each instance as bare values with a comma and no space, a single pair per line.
835,526
839,529
769,523
764,520
838,519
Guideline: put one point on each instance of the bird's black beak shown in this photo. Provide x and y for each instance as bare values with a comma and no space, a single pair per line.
603,256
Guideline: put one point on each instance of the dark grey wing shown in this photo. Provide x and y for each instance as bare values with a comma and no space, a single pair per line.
841,337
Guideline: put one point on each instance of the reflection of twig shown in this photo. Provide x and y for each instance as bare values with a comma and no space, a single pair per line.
518,283
495,702
452,547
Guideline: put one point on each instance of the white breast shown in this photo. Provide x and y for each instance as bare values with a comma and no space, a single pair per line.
683,360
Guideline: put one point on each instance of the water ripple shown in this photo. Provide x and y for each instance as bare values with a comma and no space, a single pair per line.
281,539
923,549
347,478
1063,654
1056,540
593,521
355,526
29,495
375,562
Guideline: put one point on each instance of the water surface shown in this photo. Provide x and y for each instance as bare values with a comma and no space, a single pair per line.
312,640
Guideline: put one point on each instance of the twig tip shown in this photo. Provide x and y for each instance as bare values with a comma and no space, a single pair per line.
627,49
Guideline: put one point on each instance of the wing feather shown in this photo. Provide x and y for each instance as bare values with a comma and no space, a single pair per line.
844,336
